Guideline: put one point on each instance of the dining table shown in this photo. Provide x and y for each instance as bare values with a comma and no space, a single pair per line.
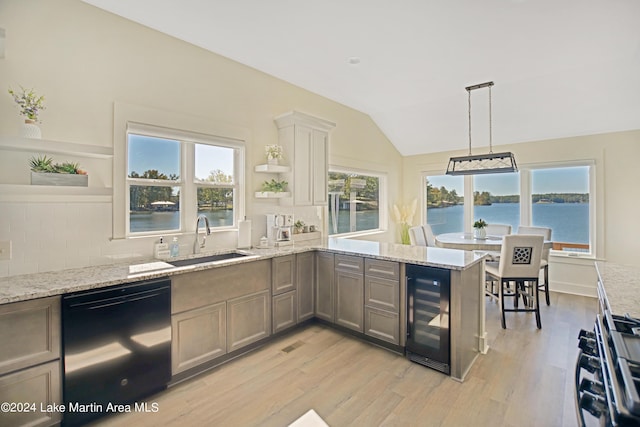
468,242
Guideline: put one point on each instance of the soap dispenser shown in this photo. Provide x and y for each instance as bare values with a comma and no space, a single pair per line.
174,248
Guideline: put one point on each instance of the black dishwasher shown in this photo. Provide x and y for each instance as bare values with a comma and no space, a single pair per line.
117,347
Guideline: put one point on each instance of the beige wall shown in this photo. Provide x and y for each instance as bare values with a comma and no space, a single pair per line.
617,195
84,59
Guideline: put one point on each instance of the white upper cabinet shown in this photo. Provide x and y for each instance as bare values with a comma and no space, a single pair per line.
305,140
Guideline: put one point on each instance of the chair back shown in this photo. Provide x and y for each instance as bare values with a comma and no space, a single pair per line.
520,256
417,237
497,229
428,234
539,231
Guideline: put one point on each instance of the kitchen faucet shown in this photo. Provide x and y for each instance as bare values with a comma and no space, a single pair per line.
196,244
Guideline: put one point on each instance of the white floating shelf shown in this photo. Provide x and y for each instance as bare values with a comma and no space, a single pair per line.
272,194
272,168
15,143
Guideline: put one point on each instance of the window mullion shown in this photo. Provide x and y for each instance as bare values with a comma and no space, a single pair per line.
189,193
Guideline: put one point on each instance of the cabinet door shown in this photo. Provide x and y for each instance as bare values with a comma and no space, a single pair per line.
40,386
349,300
199,335
305,275
303,166
285,311
324,286
283,274
320,159
248,319
29,333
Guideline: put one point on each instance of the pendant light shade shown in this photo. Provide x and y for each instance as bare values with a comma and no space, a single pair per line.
482,163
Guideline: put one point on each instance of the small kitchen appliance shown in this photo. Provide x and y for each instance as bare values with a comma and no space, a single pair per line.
279,229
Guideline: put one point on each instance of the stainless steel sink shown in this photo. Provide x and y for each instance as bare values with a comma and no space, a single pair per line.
207,259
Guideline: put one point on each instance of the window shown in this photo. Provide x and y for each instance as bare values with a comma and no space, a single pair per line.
354,202
560,200
558,197
445,203
172,177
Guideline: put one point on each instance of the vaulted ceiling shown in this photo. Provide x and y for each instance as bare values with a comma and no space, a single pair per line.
560,67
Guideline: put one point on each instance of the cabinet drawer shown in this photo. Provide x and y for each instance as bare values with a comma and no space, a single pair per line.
352,264
382,324
382,293
29,333
383,269
40,386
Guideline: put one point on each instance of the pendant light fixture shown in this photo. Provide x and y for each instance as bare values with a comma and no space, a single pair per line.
482,163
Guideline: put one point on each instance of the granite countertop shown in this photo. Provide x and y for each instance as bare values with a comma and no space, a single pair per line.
40,285
621,286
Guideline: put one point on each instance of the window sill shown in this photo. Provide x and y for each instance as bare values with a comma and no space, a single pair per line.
351,235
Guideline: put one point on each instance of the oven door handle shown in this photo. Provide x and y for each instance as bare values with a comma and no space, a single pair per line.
579,410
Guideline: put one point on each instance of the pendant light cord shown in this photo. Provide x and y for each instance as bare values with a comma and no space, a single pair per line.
490,125
469,92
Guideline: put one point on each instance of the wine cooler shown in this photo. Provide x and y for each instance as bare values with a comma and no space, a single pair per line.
428,317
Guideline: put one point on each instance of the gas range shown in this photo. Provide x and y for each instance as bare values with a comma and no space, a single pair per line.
608,372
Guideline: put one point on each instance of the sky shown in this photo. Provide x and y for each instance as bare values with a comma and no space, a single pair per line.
147,153
555,180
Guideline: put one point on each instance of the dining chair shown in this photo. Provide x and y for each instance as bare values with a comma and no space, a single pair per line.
428,234
497,229
417,236
517,274
544,265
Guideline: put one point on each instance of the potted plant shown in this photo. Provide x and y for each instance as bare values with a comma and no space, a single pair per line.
299,226
274,153
478,229
273,186
30,105
45,172
404,217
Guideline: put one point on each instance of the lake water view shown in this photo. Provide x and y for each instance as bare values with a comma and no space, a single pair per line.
161,221
569,221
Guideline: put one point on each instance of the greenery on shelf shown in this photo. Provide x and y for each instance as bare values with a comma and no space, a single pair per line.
45,164
274,185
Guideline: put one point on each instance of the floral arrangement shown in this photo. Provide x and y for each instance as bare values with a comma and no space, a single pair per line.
480,223
404,216
273,151
29,103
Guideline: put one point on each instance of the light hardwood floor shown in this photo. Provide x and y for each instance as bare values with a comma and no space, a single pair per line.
524,380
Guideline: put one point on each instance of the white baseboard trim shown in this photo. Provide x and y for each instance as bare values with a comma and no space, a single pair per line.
574,289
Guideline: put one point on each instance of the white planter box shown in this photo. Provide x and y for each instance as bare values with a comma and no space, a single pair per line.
59,179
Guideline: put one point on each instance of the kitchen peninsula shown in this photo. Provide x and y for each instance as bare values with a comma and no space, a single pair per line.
280,289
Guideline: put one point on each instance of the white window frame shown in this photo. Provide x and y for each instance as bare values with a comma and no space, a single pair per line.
525,199
383,217
188,130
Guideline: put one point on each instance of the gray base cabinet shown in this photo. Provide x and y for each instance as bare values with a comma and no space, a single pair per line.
198,336
30,366
217,311
349,284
